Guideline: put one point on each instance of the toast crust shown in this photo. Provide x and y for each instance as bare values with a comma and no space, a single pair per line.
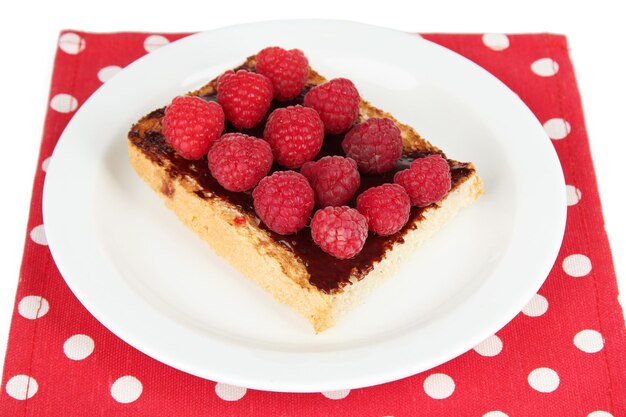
237,234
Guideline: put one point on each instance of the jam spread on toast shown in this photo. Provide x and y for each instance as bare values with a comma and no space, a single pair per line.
327,273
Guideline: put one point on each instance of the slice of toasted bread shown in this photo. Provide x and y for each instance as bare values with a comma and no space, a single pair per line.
291,268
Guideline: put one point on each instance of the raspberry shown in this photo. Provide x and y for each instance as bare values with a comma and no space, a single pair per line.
334,179
426,181
339,231
191,125
375,145
284,201
245,97
238,161
287,70
295,134
337,101
385,207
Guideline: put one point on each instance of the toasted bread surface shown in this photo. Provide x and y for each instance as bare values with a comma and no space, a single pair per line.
227,224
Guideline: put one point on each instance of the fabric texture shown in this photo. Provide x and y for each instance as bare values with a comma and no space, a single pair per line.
563,355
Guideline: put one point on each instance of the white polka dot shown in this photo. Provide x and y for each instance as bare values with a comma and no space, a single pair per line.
44,164
495,413
126,389
543,380
21,387
336,395
33,307
545,67
230,392
154,42
557,128
589,341
107,73
78,347
577,265
71,43
496,41
491,346
64,103
439,386
573,195
599,413
38,235
536,307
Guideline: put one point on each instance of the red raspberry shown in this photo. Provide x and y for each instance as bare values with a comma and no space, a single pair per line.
245,97
284,201
295,134
337,101
238,161
339,231
287,70
426,181
334,179
385,207
375,145
191,125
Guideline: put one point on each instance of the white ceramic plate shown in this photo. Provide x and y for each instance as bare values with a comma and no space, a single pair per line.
156,285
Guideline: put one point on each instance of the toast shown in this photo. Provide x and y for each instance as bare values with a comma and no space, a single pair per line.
291,268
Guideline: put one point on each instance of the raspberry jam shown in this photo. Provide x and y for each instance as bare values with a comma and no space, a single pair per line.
327,273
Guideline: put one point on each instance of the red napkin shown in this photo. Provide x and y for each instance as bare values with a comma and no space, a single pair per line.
562,356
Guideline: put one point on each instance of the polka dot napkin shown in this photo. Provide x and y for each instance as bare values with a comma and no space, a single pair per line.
563,355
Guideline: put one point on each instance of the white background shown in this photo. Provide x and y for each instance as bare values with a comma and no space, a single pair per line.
28,33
